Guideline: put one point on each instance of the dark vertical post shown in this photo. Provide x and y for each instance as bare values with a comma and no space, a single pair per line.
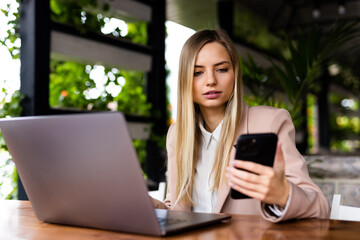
225,12
303,145
156,91
35,48
323,113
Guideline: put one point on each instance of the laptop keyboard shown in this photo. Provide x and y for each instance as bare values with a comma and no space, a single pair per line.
169,221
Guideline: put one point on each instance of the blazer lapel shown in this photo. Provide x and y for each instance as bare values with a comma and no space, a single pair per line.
223,192
224,188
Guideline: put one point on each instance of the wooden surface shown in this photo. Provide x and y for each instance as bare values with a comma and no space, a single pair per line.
18,221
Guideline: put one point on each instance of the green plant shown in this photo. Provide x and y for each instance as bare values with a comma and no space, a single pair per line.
252,28
8,173
74,13
70,83
71,86
299,69
261,88
88,15
9,178
306,59
11,12
10,108
9,102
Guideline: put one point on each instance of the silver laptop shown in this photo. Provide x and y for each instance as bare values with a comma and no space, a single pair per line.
82,170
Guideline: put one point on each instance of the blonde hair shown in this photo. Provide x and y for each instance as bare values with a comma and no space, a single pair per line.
188,115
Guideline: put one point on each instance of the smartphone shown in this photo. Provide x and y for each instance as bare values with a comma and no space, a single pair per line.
259,148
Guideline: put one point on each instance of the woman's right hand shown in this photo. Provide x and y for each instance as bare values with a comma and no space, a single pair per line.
158,204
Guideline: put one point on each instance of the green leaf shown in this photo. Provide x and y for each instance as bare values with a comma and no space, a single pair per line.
55,7
5,12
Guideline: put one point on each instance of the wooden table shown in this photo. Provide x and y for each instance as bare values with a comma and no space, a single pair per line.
17,221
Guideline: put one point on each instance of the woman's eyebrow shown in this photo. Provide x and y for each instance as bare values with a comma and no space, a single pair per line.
216,64
222,62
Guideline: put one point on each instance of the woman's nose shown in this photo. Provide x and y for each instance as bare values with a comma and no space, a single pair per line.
211,79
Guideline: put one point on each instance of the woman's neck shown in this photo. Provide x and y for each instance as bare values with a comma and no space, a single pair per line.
212,119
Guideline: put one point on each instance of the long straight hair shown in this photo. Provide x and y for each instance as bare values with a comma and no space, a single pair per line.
188,116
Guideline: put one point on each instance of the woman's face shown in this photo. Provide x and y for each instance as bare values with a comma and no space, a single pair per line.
213,77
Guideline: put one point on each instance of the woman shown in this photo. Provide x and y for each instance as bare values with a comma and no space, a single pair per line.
211,115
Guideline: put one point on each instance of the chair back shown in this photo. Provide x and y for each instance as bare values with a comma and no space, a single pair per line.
160,193
341,212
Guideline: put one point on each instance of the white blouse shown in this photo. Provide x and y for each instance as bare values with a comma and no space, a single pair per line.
205,199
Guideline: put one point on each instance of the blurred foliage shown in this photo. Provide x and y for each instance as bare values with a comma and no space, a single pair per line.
310,54
132,99
8,175
87,15
261,87
11,12
344,124
71,86
348,124
312,123
296,72
140,28
298,66
72,13
345,146
254,30
70,82
347,79
9,107
339,101
9,103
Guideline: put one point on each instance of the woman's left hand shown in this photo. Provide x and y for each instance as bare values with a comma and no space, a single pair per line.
266,184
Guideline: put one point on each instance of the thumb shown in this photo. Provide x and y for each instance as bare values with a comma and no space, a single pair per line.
279,157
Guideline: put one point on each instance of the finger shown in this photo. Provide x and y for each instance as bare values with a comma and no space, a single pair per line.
259,192
257,186
252,167
242,177
236,173
248,192
279,157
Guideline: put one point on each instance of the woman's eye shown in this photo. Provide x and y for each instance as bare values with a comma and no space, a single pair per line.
222,70
197,74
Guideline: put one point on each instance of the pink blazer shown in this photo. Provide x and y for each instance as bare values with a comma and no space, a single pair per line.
306,199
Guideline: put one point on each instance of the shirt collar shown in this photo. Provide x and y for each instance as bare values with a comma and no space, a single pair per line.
207,135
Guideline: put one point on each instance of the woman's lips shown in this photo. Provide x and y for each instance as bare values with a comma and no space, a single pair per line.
212,94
